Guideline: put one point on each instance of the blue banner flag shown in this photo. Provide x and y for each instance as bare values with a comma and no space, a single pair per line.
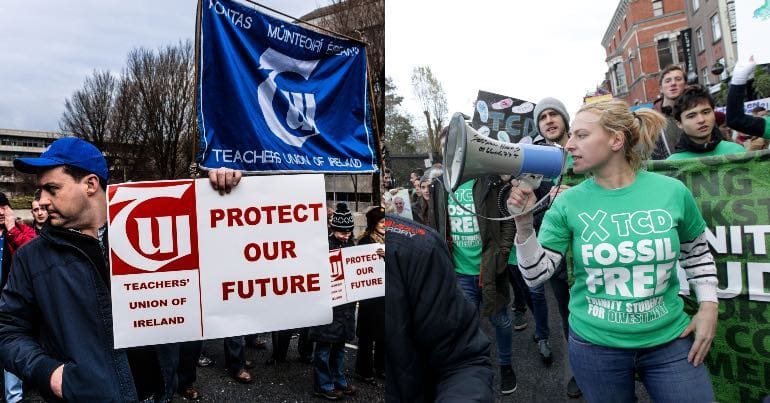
274,96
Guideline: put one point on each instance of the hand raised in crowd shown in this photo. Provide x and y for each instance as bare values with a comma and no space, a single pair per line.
56,381
224,179
742,71
380,252
9,218
704,323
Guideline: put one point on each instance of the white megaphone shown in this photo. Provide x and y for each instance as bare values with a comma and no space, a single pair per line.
469,155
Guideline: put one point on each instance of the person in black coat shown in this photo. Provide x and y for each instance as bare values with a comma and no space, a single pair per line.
329,358
435,349
370,359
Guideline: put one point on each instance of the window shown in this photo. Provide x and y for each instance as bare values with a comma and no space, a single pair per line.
716,29
723,76
620,78
699,40
695,5
665,57
657,8
705,74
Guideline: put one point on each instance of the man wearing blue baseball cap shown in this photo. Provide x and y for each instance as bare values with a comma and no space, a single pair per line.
55,312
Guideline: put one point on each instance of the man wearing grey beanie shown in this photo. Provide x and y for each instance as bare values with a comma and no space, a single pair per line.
553,128
552,121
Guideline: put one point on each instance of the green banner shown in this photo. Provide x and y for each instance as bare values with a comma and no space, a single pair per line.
733,193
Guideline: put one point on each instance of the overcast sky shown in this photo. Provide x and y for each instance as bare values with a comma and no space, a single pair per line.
523,49
49,47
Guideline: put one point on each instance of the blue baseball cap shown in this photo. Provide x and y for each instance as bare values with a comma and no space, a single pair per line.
66,151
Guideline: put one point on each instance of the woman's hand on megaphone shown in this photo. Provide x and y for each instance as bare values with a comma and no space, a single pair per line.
522,198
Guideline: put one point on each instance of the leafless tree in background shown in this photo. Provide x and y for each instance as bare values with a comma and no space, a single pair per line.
144,121
89,113
104,113
164,85
430,94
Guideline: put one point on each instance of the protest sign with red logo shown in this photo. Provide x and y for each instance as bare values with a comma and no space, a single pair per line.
189,264
357,273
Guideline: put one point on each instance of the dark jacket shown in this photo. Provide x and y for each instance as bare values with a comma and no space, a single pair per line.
736,116
496,239
667,142
436,350
685,144
421,212
343,326
56,309
371,312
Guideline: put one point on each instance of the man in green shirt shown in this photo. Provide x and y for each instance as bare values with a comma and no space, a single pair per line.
694,114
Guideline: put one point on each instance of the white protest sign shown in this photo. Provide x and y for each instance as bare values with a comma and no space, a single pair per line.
752,19
189,264
748,106
357,273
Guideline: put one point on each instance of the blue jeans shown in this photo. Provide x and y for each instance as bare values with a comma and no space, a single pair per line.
13,387
606,374
329,366
535,299
500,320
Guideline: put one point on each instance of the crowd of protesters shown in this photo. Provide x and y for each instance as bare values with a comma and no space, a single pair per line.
448,267
494,260
56,332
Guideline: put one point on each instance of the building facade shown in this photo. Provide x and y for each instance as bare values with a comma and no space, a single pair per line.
643,37
715,43
19,144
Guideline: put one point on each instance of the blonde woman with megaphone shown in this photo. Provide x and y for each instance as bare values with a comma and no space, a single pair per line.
627,228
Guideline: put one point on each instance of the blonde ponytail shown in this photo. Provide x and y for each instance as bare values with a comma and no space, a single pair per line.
641,128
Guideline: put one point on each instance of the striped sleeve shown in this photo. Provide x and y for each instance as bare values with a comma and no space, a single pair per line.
698,263
536,263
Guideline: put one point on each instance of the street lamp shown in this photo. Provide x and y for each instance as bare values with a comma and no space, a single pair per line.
717,68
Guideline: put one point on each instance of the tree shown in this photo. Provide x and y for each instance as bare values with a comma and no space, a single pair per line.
164,85
430,94
399,132
143,120
89,112
104,113
761,82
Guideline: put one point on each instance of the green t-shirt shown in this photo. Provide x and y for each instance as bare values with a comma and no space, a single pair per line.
512,257
626,246
464,229
724,147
